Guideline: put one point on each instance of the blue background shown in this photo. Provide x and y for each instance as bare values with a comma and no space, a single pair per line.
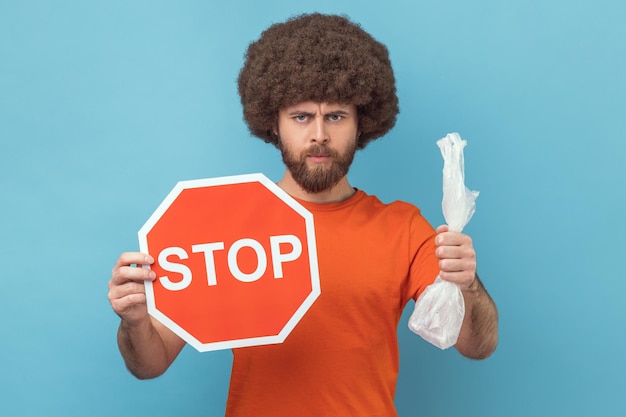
105,105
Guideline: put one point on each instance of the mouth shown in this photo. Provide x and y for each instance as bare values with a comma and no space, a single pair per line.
319,154
319,158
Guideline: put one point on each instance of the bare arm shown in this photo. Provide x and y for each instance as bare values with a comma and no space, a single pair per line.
479,332
148,347
457,260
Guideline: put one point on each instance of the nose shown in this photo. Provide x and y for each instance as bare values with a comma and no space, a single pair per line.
320,133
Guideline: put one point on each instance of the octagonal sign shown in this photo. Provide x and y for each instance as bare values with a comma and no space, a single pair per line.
235,260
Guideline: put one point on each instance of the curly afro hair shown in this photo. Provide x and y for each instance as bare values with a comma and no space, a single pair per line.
321,58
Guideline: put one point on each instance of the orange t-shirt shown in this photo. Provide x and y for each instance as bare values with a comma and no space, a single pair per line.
341,359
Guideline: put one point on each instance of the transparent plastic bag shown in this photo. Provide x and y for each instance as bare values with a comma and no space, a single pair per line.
439,310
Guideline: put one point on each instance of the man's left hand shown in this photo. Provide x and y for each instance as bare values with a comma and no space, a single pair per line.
457,258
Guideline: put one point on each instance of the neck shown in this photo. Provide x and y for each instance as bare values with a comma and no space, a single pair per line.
338,192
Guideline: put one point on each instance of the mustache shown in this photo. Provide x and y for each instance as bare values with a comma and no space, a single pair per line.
318,149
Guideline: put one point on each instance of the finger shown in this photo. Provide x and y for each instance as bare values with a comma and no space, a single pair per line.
129,288
455,252
125,274
133,258
458,265
464,278
124,298
443,228
453,239
124,306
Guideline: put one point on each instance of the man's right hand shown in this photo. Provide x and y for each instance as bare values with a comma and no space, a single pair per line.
127,293
147,346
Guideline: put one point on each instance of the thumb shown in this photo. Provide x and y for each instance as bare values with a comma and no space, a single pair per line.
443,228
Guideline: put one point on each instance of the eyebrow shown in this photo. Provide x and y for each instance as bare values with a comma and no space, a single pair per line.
344,112
307,113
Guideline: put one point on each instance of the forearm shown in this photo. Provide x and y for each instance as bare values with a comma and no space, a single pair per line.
479,333
144,350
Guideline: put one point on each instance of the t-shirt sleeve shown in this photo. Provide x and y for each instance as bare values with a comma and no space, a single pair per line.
424,265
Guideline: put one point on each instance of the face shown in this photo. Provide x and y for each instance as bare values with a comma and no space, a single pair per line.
318,142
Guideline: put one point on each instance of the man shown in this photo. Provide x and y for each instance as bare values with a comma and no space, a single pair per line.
319,87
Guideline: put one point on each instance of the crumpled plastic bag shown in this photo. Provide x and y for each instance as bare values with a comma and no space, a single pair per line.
439,310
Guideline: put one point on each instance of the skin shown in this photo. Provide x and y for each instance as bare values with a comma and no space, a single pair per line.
305,124
149,348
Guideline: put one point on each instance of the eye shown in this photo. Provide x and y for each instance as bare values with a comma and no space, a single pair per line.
300,117
335,117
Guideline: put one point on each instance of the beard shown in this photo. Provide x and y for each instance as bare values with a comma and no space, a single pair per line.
319,178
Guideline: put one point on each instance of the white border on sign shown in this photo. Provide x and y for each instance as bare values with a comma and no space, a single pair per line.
312,249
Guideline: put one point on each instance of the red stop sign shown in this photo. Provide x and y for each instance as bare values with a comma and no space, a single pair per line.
235,260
